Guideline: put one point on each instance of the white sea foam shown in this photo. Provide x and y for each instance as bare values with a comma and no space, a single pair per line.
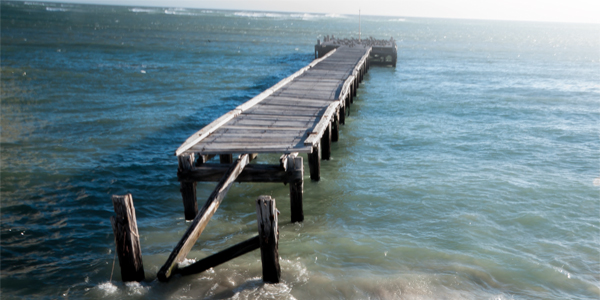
35,3
181,12
136,288
48,8
282,16
108,288
144,10
186,262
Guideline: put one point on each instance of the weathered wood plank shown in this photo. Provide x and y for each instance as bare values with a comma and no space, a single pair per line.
127,238
251,173
317,132
274,123
247,150
221,257
210,207
264,127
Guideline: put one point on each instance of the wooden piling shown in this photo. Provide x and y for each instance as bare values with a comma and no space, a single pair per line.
208,210
294,165
188,189
314,163
127,238
335,127
326,144
268,233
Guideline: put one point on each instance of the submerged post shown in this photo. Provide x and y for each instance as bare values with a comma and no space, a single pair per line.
268,233
127,238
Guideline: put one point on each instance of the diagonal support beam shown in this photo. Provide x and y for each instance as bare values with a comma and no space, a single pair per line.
208,210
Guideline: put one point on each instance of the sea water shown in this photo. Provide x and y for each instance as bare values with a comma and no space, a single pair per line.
466,172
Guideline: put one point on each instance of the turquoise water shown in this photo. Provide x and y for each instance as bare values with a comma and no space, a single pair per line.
467,172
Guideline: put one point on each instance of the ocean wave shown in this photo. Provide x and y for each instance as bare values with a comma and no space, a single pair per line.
145,10
35,3
397,20
295,16
48,8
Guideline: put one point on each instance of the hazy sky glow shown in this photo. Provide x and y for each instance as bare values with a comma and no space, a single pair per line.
580,11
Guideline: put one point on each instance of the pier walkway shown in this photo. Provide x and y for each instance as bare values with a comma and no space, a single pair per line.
290,116
299,115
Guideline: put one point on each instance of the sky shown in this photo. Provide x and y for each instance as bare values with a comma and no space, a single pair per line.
574,11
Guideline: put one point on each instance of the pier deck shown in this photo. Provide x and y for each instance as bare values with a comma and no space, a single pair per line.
286,117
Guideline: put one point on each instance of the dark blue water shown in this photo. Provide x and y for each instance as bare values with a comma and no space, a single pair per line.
467,172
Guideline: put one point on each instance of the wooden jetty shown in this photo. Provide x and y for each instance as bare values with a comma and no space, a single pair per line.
299,115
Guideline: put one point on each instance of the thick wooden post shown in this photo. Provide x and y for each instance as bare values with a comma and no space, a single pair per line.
127,238
314,163
296,166
342,113
335,127
226,158
188,189
326,144
268,233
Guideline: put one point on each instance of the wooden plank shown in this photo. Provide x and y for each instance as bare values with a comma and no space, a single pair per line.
208,129
209,149
317,132
268,233
221,257
127,238
294,99
265,127
245,139
251,173
303,103
260,132
274,123
251,144
271,149
208,210
283,113
274,117
289,108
